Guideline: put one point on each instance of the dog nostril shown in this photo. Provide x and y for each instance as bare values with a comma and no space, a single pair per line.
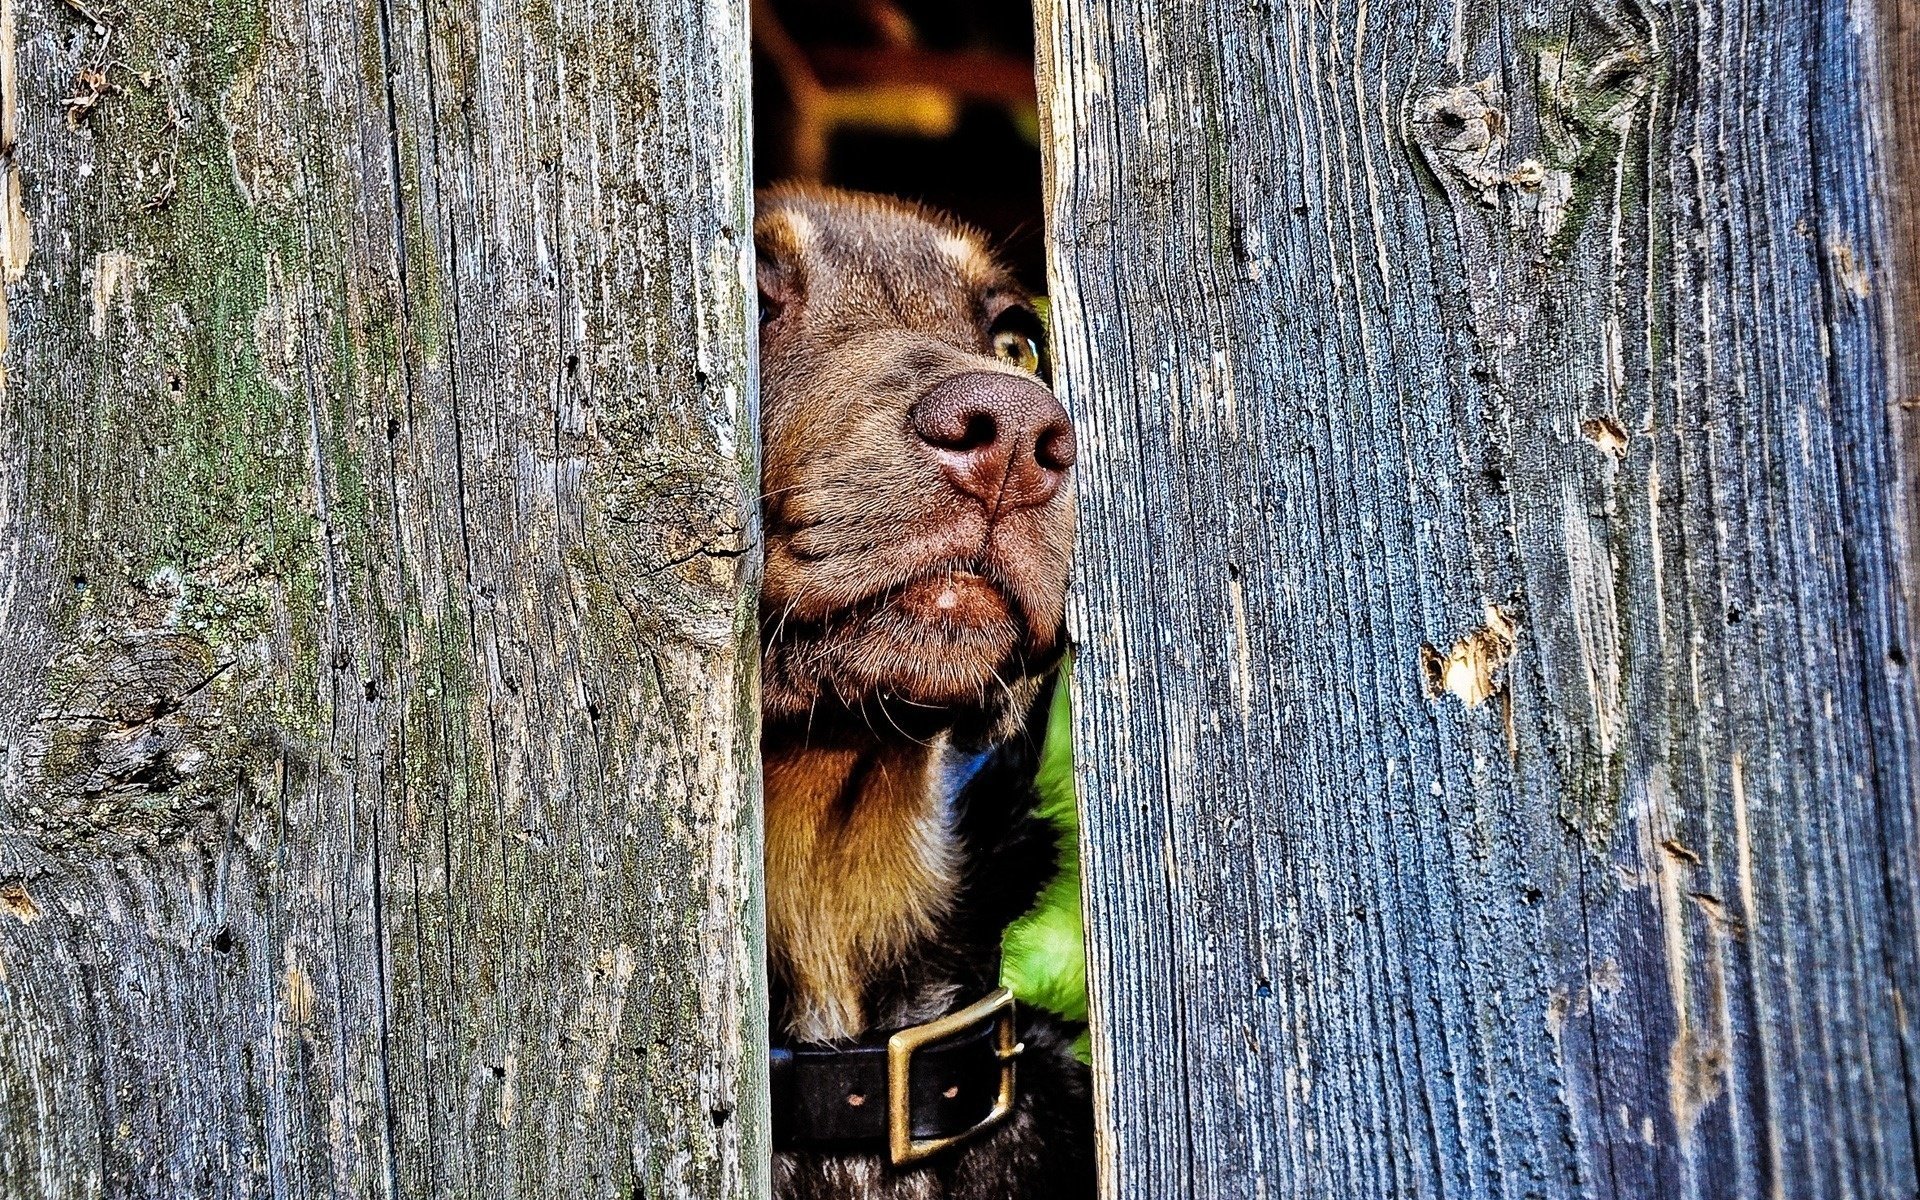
963,427
1055,448
981,430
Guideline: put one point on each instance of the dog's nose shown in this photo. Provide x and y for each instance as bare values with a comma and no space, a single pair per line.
1000,438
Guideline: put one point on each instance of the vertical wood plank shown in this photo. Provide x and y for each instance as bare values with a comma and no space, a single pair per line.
1496,703
378,814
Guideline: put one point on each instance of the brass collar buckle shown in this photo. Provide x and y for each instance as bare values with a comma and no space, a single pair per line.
902,1146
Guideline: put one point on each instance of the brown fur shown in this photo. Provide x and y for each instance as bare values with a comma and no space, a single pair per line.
875,301
872,303
855,875
868,686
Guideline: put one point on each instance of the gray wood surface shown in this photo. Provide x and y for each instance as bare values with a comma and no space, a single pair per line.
1496,703
378,810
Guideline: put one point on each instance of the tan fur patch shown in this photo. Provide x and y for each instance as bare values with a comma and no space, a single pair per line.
789,235
799,230
859,866
962,251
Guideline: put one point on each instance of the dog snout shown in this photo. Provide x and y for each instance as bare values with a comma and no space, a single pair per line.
999,438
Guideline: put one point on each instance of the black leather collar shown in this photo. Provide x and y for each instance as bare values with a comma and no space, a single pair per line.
838,1098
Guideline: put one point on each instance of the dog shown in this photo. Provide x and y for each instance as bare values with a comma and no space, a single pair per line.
919,523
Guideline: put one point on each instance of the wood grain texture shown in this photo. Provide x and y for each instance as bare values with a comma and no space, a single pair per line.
1544,356
378,814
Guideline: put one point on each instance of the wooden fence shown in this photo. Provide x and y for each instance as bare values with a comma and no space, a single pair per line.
380,810
1498,581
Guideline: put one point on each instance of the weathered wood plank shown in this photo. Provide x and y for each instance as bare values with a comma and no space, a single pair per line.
379,811
1563,340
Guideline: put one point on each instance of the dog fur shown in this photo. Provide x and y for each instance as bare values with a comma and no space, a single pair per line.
905,624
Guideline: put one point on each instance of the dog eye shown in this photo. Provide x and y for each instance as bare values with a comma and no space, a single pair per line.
1010,345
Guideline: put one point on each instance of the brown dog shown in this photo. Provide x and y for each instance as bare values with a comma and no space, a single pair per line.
919,535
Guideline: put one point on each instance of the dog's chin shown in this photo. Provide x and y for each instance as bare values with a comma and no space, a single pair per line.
935,664
949,642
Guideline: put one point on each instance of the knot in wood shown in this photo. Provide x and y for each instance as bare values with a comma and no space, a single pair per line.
1462,120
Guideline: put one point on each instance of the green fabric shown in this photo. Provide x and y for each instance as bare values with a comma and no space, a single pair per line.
1044,953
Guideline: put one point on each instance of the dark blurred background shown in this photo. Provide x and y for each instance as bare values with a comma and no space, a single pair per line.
922,99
